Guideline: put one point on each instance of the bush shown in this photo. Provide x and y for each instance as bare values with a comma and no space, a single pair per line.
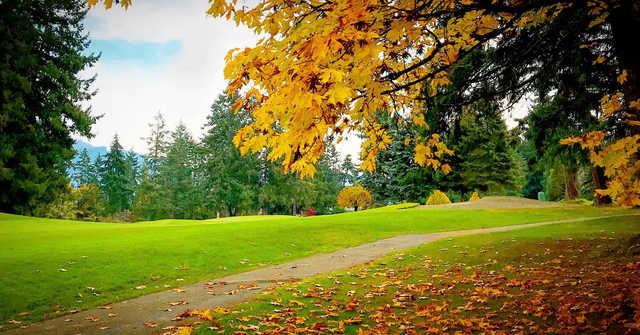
310,212
474,197
578,201
454,196
438,198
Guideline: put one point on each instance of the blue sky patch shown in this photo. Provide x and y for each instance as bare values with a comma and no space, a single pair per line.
141,53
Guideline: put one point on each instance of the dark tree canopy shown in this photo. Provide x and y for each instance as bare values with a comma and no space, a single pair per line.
42,43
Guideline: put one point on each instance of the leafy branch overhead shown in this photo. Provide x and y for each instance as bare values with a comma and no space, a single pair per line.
323,69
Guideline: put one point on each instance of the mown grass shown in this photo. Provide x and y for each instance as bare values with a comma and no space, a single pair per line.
106,262
574,246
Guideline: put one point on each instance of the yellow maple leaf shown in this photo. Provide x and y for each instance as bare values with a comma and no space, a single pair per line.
622,77
599,60
487,24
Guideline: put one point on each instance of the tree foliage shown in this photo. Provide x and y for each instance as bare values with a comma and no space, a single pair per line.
324,68
116,179
43,47
438,198
356,197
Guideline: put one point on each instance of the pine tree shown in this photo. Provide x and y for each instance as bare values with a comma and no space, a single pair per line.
232,178
116,179
349,171
328,181
132,172
487,162
142,207
43,50
177,173
83,169
398,177
98,170
157,141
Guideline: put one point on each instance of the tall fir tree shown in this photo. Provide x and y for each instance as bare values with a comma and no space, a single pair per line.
398,177
43,47
177,173
232,178
486,162
157,141
83,169
349,171
116,179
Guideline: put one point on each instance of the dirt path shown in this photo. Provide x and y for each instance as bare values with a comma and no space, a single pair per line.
128,317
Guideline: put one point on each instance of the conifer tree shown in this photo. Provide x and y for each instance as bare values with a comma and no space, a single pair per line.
116,179
487,162
177,173
83,169
232,178
43,50
157,141
349,171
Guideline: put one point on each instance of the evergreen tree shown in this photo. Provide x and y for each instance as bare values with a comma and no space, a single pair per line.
143,207
397,177
43,49
157,141
486,161
116,179
177,173
232,179
98,170
83,169
327,182
132,172
550,121
349,171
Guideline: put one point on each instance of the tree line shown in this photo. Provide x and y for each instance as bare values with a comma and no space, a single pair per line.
185,178
182,177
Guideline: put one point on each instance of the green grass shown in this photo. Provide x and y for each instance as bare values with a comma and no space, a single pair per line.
114,259
482,257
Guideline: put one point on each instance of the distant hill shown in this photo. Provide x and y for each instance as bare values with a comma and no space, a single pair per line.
93,151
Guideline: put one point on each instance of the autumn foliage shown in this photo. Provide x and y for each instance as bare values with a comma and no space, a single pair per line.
354,196
438,198
620,162
474,197
322,69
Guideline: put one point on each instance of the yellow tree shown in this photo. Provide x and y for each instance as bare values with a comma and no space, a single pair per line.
354,196
323,68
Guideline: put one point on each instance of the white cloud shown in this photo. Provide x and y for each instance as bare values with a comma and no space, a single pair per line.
182,88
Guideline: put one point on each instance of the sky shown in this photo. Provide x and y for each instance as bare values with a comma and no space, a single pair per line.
160,56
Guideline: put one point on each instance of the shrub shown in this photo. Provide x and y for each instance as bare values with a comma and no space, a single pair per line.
578,201
354,196
454,196
438,198
474,197
310,212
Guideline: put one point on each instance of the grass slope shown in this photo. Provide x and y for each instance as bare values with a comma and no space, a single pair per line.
567,278
51,267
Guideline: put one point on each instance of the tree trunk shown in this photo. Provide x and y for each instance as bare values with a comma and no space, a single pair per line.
598,181
570,183
355,208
